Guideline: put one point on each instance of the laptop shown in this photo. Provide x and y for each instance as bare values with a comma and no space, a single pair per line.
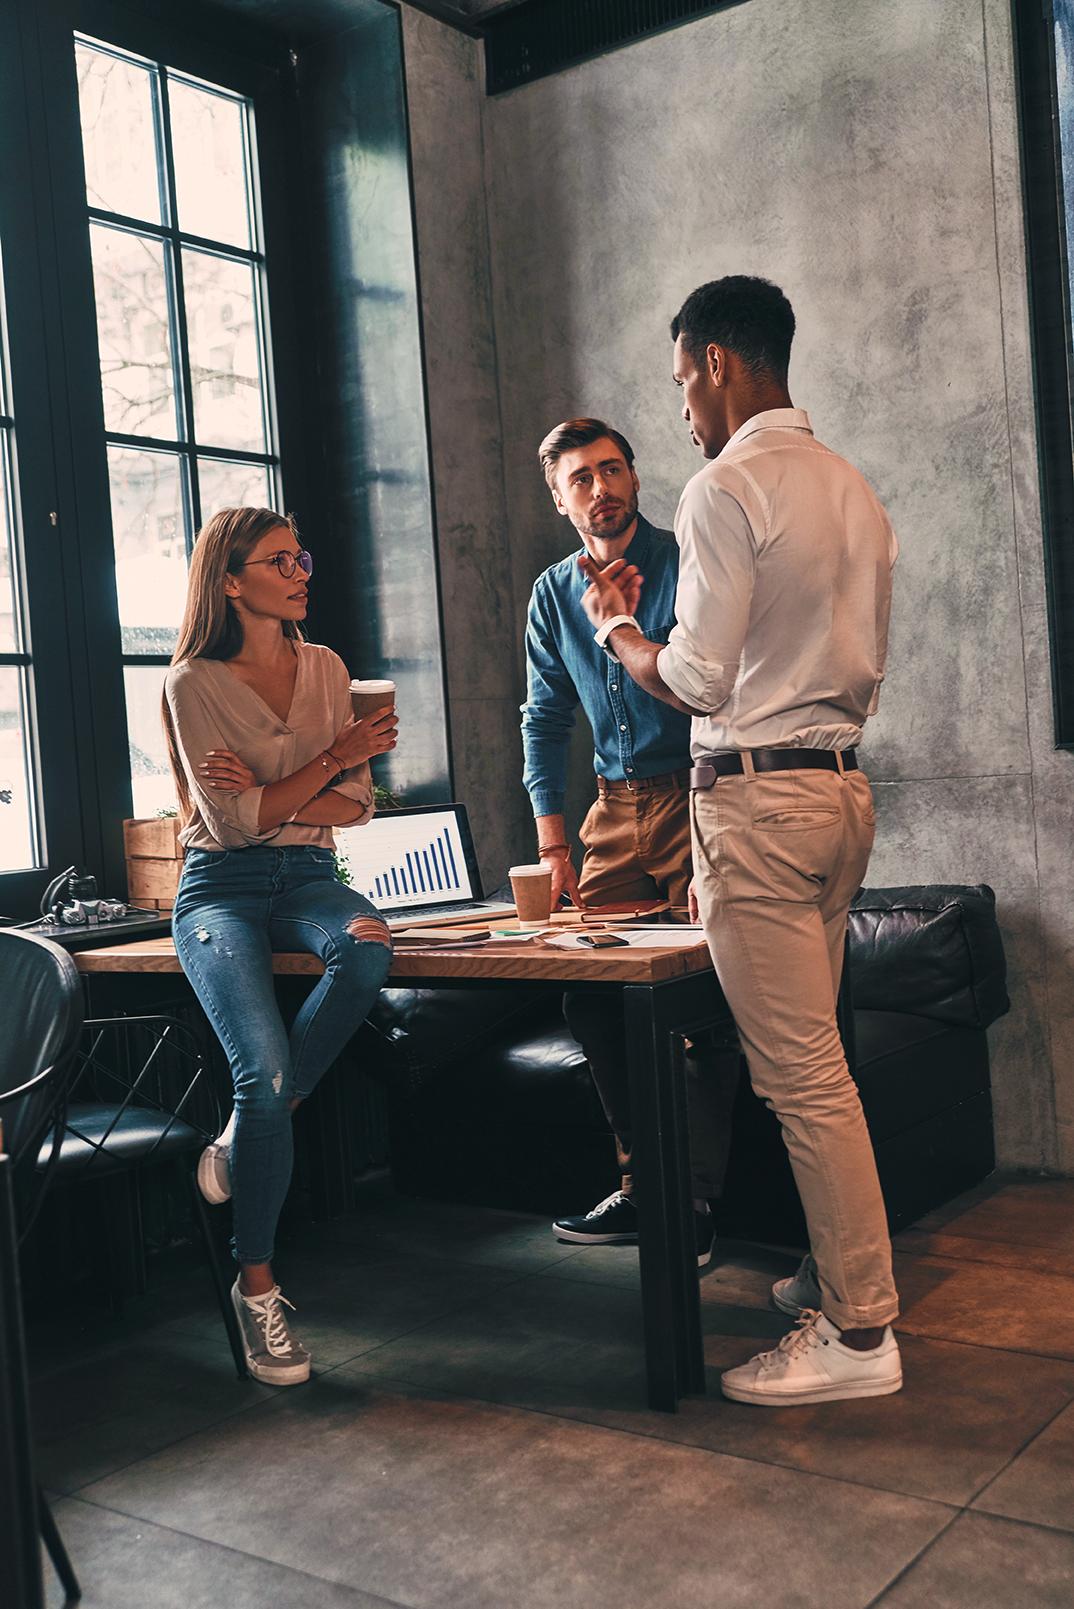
417,864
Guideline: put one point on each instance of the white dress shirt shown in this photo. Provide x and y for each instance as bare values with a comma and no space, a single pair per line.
784,593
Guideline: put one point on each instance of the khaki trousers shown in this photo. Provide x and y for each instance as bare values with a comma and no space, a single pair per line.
637,846
778,858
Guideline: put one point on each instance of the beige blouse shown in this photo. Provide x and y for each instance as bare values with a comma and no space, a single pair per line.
212,709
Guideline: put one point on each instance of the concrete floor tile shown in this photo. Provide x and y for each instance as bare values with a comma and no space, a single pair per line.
1027,1212
993,1256
738,1272
462,1505
111,1408
1039,1485
517,1241
991,1186
954,1301
962,1413
986,1563
344,1307
543,1342
126,1564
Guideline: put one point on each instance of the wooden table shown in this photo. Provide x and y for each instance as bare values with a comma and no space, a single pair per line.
666,994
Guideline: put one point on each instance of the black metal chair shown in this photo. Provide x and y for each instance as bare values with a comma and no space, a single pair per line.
143,1094
43,993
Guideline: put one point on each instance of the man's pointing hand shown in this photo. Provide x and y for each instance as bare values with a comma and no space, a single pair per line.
615,590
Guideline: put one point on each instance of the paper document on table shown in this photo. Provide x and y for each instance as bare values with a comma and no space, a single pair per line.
658,938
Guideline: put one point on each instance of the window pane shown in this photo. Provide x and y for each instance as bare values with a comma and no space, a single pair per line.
209,151
224,362
16,800
149,532
137,374
9,634
229,485
151,777
118,105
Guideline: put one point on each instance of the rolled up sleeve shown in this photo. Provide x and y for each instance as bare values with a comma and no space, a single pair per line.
357,784
717,563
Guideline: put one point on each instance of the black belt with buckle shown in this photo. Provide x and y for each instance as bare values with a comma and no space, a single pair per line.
705,772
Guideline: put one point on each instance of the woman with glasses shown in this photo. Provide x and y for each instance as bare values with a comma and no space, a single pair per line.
267,760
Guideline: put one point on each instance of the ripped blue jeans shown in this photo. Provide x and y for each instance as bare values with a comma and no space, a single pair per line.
234,907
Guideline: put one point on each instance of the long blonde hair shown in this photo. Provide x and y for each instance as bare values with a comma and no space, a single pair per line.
211,629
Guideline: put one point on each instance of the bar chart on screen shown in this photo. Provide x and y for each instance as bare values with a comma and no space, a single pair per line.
409,860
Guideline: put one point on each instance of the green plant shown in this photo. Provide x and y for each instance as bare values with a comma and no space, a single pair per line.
167,810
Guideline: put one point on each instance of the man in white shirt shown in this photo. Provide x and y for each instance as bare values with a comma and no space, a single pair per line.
778,654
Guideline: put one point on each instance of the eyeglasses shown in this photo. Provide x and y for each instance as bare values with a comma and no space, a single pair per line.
287,562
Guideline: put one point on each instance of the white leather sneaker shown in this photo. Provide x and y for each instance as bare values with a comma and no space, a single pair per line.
811,1364
802,1290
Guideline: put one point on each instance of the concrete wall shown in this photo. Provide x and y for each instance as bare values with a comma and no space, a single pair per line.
865,157
445,96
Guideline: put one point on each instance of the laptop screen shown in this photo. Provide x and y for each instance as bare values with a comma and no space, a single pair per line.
418,856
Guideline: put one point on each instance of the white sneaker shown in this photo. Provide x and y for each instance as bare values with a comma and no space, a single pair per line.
811,1364
799,1292
273,1354
214,1166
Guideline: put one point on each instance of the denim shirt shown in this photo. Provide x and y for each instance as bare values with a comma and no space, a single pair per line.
634,734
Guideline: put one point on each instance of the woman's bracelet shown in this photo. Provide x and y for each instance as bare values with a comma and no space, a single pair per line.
546,849
326,755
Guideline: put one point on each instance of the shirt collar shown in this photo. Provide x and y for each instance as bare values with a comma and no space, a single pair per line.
771,419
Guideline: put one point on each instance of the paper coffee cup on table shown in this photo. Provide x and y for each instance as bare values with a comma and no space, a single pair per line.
531,887
367,696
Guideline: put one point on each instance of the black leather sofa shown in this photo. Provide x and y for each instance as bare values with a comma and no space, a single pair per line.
490,1100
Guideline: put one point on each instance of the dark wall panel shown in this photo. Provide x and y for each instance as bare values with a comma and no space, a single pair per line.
370,461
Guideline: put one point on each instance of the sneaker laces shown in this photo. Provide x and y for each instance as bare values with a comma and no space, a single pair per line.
268,1309
801,1339
607,1204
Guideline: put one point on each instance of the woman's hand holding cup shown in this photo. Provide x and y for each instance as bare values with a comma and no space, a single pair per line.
359,740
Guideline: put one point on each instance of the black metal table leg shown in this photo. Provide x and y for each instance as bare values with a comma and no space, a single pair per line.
652,1124
657,1017
671,1312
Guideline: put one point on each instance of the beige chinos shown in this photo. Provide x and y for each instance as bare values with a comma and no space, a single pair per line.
778,859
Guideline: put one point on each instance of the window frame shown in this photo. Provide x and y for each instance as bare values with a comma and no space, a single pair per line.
83,768
1052,332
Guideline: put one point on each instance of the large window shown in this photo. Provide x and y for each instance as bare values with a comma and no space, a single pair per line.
181,300
1044,37
18,805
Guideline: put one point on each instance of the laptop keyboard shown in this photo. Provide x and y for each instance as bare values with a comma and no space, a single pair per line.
477,909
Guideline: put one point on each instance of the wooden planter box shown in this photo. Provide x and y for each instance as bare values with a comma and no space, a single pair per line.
154,861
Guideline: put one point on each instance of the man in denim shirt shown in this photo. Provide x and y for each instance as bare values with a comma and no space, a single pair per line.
636,836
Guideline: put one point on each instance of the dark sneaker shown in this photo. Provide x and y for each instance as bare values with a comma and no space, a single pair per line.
612,1222
705,1230
273,1355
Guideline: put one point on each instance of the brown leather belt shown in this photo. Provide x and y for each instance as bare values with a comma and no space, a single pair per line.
667,782
704,774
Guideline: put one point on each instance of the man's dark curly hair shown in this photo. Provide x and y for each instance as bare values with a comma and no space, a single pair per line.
750,317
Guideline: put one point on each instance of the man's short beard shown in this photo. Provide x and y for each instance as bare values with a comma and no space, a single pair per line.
605,534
